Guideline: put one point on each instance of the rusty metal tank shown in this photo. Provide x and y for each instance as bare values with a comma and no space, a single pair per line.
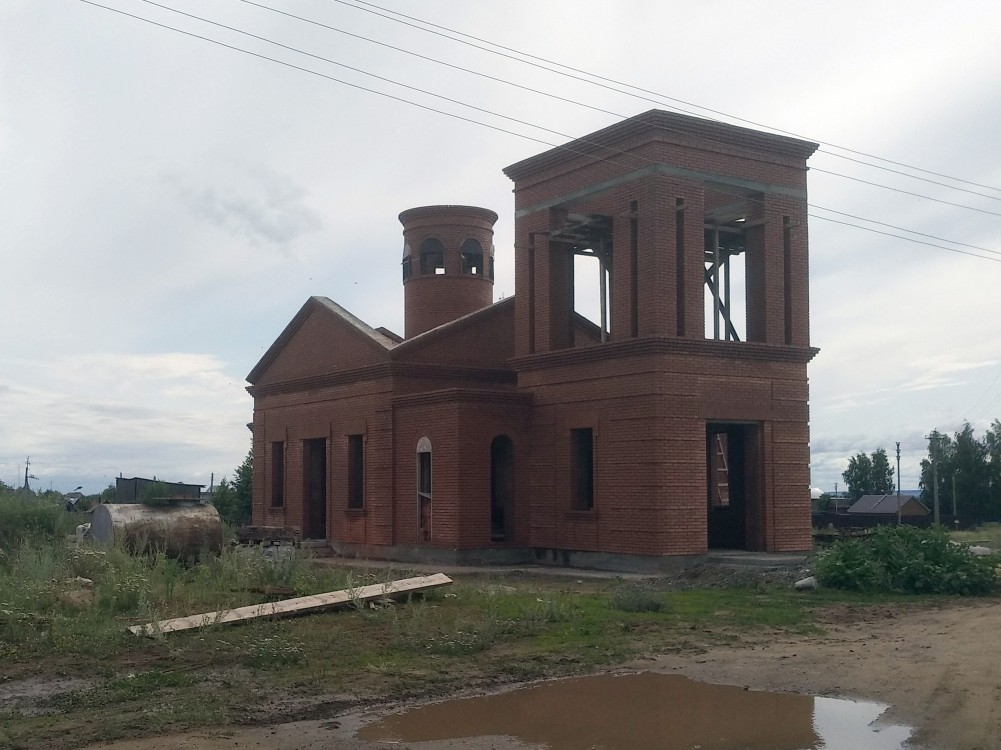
185,530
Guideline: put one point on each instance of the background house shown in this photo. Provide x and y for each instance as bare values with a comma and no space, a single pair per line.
910,506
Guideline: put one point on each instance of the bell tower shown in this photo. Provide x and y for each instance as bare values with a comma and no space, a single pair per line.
448,264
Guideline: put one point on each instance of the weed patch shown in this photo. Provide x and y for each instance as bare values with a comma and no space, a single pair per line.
905,559
636,597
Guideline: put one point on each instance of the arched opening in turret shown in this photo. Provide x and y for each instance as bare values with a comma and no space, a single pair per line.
471,253
432,257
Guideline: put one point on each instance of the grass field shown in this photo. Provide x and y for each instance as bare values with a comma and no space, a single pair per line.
74,675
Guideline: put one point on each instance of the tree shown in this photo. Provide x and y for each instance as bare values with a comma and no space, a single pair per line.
244,483
992,444
968,472
869,474
882,474
857,475
969,476
234,500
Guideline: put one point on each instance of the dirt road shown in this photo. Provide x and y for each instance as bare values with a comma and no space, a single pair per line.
939,669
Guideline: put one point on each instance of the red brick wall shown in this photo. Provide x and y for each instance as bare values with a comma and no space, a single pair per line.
334,413
460,426
649,413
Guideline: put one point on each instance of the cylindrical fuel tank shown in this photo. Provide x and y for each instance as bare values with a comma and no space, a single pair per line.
182,530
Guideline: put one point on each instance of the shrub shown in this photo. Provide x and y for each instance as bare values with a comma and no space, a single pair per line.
906,559
635,597
24,515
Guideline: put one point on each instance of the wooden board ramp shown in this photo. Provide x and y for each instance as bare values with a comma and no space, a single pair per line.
297,606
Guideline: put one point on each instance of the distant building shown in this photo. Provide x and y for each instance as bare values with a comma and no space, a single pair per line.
521,430
887,505
131,490
72,500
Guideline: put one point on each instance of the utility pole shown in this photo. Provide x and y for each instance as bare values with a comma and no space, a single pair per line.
934,473
898,483
955,518
27,476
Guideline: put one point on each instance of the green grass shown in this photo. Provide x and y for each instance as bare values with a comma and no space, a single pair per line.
482,630
989,534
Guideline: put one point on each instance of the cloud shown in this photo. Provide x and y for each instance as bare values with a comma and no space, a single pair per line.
267,208
84,420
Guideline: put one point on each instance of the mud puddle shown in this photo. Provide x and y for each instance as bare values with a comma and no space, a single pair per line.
640,711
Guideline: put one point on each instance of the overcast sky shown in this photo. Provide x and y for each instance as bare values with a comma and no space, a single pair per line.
167,204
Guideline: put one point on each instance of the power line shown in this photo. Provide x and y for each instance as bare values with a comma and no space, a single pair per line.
984,393
486,111
637,88
901,237
907,192
379,77
904,229
341,81
567,148
567,100
428,58
497,114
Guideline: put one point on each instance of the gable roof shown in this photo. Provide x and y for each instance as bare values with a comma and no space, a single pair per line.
362,331
446,331
882,503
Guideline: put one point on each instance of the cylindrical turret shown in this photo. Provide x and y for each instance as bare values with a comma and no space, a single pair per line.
448,264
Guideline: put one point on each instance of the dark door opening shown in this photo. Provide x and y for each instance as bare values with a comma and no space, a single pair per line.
501,488
314,488
734,489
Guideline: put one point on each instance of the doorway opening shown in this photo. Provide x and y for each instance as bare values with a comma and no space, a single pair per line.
314,488
501,488
735,493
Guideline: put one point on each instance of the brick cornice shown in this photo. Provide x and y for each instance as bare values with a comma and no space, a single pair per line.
464,395
662,345
384,370
708,134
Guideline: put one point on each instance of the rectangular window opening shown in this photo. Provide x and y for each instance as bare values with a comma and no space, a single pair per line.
277,474
582,468
356,471
787,276
589,239
634,314
679,242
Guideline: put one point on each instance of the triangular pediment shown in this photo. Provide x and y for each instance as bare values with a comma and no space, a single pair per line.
323,338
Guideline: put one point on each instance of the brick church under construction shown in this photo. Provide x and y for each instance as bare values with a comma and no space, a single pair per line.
671,421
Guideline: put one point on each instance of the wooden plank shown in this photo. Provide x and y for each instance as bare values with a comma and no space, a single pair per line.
299,605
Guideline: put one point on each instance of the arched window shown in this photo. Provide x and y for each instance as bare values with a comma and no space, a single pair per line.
471,253
424,490
406,262
432,257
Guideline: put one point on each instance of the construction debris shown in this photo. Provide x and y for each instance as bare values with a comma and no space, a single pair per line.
297,606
